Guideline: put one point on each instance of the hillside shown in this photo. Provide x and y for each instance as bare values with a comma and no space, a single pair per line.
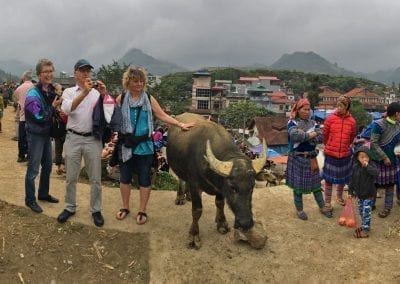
310,62
15,67
154,66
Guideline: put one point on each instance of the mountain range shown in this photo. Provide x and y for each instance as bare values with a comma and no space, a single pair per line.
309,62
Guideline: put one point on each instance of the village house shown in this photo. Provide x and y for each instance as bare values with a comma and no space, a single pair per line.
370,100
211,98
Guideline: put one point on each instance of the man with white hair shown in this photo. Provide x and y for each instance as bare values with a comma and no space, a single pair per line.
20,94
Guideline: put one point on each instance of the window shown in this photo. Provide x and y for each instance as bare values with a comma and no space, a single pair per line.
203,93
202,104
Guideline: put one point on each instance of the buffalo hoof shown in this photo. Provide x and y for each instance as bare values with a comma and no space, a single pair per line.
195,242
223,228
256,236
180,201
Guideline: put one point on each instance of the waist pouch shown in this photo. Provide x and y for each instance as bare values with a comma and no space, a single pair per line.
131,141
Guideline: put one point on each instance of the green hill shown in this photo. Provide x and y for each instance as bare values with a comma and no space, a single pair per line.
154,66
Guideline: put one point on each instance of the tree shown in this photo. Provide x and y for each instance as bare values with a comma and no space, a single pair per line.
358,112
313,91
237,115
111,75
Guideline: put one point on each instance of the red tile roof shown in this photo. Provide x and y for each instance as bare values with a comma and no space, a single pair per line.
362,92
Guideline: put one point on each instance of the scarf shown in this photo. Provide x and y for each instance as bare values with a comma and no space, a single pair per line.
127,104
297,106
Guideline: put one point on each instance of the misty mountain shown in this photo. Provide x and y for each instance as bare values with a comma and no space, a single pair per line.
310,62
15,67
386,76
154,66
314,63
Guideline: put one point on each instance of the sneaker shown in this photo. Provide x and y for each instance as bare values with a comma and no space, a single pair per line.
98,219
34,207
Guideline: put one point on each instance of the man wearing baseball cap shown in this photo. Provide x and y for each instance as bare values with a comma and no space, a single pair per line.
81,141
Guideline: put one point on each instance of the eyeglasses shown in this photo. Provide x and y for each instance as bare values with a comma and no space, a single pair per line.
47,72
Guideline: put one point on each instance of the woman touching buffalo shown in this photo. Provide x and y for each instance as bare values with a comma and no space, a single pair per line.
135,145
302,167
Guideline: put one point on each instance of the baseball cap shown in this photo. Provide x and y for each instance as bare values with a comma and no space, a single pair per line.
82,63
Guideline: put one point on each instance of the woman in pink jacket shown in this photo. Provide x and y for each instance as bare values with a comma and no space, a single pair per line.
339,132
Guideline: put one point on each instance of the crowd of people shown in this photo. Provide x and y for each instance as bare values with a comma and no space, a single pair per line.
93,121
364,162
99,126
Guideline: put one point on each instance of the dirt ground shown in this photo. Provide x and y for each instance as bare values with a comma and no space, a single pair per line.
34,248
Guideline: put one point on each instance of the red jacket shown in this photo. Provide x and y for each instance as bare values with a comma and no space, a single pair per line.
339,133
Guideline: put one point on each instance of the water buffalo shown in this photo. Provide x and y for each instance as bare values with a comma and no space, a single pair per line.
207,159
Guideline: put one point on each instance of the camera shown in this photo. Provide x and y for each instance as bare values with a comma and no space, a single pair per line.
94,84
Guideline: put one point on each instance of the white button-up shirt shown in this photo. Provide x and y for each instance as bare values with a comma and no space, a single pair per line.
80,119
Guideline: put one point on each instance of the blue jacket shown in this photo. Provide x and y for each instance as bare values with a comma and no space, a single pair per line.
39,110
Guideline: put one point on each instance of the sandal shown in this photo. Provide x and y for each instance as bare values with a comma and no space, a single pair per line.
302,215
341,201
384,213
326,211
141,218
359,233
122,213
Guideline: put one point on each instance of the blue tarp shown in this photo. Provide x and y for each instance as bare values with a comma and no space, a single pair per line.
271,153
376,115
322,115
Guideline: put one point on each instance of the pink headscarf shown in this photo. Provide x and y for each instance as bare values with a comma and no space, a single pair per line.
300,103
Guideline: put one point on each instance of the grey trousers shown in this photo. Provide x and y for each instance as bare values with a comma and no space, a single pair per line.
89,148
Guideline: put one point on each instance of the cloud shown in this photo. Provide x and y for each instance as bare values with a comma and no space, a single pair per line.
358,35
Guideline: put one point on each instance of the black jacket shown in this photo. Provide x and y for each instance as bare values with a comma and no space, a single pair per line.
362,181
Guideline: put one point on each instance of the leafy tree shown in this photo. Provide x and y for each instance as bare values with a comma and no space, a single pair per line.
237,115
313,91
111,75
362,117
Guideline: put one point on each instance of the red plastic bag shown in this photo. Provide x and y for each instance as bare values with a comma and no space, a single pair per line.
347,217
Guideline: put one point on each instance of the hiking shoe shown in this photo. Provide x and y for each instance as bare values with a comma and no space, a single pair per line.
64,216
34,207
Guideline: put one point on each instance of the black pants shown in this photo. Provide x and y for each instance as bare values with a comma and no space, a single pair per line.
22,141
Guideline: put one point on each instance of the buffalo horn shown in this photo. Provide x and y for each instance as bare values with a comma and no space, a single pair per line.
258,164
220,167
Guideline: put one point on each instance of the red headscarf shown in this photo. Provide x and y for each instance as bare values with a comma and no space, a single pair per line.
300,103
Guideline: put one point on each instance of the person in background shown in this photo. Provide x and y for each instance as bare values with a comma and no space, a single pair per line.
39,107
1,111
83,140
302,166
59,141
137,110
385,135
362,186
339,133
20,95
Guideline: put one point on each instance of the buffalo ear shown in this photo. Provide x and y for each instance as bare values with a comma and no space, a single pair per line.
222,168
258,164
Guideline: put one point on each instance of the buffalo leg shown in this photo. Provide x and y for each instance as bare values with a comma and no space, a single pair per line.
180,194
222,225
194,233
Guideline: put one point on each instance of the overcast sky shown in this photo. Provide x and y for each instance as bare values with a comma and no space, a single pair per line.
360,35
